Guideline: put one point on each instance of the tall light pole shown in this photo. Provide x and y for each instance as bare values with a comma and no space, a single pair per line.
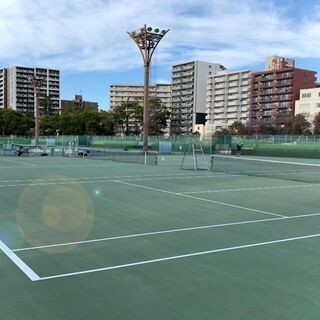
37,83
147,40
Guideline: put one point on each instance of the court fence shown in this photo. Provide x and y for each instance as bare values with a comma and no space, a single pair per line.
259,145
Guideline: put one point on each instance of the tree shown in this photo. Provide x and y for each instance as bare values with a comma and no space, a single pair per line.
47,105
15,122
238,129
300,125
316,123
125,117
267,129
78,122
106,124
128,117
222,132
158,117
50,124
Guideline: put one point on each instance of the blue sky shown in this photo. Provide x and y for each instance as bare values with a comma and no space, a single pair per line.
87,39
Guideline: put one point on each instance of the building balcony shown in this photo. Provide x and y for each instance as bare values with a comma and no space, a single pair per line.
219,98
219,79
183,68
220,86
283,83
187,86
219,92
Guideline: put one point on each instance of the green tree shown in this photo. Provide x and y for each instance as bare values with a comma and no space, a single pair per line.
158,117
267,129
300,125
222,132
316,123
106,123
78,122
136,120
50,124
126,117
15,122
47,105
238,129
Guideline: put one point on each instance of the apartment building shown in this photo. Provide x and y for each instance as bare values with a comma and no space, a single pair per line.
131,93
135,93
189,90
20,92
227,99
273,93
79,103
308,104
2,88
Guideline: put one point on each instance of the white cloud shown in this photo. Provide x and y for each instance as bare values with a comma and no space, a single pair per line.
91,34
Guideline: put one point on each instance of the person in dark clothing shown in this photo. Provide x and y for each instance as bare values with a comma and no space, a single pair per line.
239,149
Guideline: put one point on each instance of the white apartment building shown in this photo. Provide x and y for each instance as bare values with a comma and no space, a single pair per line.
227,99
189,87
308,104
20,92
131,93
2,88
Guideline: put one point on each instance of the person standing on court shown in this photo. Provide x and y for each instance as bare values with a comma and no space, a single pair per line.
239,149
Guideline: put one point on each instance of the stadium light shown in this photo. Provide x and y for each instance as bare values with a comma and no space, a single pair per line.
37,83
147,40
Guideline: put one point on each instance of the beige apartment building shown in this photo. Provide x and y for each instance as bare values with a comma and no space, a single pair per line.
227,99
308,104
135,93
131,93
20,93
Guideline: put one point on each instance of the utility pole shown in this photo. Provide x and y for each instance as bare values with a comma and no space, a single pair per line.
147,40
37,83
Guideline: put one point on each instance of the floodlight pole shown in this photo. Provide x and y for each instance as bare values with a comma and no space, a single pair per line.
36,83
147,40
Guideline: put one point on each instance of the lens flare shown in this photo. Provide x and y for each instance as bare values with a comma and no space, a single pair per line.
54,213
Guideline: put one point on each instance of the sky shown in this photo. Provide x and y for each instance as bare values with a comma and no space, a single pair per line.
88,41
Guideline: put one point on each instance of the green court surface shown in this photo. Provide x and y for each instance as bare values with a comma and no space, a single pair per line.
93,239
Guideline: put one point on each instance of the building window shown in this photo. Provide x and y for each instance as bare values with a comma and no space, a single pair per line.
306,95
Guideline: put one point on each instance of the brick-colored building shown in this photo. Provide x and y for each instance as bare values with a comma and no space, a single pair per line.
274,91
79,103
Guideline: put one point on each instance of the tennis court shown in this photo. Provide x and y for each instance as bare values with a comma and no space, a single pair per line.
90,239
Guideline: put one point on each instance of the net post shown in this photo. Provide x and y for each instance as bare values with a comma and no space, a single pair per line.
145,157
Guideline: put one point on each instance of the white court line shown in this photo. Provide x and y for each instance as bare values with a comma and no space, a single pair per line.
72,166
193,254
137,235
201,199
309,185
18,161
109,177
170,178
66,182
53,183
19,263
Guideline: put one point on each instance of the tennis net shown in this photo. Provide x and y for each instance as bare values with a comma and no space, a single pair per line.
304,172
140,157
